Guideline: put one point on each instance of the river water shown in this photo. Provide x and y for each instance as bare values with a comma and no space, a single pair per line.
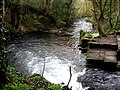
57,52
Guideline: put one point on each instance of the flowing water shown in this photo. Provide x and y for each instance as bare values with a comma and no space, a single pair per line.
57,52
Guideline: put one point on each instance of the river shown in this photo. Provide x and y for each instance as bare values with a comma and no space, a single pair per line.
57,52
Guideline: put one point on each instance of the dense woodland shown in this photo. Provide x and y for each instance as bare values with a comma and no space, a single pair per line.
18,17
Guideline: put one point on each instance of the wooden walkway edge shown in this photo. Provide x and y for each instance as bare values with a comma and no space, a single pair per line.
104,50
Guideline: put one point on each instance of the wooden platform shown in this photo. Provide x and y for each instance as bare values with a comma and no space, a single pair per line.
102,54
105,50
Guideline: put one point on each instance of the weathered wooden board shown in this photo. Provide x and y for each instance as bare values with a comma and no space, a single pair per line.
110,59
104,50
110,56
95,54
102,54
110,39
110,53
118,41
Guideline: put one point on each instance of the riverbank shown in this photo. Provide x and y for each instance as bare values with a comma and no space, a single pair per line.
18,81
22,17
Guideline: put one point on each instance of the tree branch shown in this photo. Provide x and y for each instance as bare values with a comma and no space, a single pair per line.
70,76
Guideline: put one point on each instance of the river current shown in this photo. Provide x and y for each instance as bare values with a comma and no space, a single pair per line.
57,52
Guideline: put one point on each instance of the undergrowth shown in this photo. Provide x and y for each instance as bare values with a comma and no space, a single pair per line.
18,81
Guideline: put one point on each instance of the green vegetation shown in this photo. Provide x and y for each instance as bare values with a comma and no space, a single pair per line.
35,15
83,8
17,81
23,16
106,15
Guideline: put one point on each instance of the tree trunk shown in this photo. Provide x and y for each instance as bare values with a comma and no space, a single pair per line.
17,15
3,63
69,12
118,14
13,15
105,3
110,15
101,11
101,32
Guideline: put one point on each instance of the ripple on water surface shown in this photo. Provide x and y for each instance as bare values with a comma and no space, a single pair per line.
58,52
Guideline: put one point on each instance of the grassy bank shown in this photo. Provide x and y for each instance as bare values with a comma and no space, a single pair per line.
17,81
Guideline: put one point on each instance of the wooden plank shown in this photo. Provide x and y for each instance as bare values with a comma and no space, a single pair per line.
111,39
110,56
94,50
102,54
110,59
112,46
94,54
110,52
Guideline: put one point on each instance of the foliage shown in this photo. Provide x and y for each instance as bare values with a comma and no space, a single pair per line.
59,12
15,86
89,35
107,15
83,8
17,81
42,84
63,12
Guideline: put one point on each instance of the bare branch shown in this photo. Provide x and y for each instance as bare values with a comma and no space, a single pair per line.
43,68
70,76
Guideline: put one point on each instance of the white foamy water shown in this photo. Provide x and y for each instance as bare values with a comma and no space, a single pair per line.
59,53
